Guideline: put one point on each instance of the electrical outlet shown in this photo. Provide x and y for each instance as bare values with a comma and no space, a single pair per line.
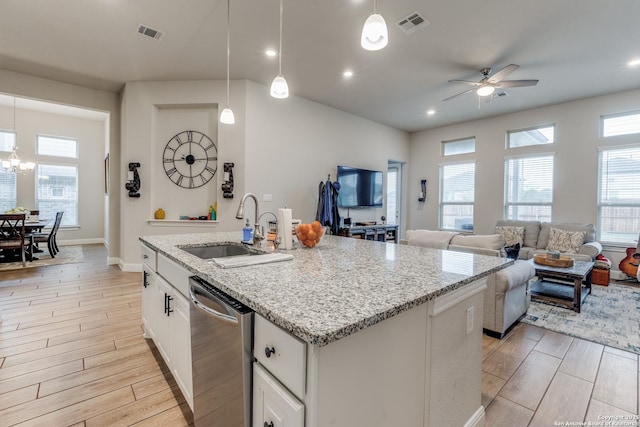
469,320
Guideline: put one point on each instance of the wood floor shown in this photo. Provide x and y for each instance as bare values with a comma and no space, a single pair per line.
72,354
72,351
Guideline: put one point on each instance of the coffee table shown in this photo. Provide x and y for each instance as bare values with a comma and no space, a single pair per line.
564,286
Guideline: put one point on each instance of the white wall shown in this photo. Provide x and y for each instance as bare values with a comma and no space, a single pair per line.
280,147
575,162
91,145
293,144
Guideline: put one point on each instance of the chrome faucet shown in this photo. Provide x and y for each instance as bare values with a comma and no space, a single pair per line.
276,241
257,236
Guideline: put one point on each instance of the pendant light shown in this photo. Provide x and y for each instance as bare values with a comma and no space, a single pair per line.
13,162
374,33
227,116
279,87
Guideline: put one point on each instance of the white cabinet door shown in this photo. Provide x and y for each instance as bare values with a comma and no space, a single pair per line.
162,337
181,344
273,405
148,298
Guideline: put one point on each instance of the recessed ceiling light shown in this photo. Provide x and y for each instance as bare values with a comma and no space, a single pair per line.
634,63
348,73
431,112
270,52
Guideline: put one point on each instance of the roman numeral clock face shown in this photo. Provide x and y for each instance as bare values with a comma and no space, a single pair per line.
190,159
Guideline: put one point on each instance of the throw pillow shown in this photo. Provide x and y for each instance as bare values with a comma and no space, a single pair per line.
567,242
513,251
512,234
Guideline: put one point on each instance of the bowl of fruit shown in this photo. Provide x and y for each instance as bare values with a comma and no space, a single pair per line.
309,235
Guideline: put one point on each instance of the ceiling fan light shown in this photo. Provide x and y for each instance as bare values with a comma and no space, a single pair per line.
374,33
227,116
279,87
485,90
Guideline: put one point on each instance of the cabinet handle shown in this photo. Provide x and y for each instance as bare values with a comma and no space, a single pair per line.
144,279
268,424
167,309
268,352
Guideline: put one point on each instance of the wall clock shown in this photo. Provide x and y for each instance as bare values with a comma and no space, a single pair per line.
190,159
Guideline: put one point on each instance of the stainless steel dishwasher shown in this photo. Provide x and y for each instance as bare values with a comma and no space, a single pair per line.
221,351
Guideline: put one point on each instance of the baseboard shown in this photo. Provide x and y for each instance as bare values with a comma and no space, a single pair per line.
70,242
477,419
130,267
112,260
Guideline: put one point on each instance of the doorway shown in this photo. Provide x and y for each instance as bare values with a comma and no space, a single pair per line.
394,193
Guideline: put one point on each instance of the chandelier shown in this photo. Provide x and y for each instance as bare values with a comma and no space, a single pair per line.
14,164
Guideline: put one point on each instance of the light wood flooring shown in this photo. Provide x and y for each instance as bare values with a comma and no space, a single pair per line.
72,354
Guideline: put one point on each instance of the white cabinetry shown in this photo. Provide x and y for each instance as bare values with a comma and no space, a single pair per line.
278,376
273,405
165,314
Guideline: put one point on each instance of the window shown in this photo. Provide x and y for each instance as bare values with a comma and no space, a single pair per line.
8,195
57,190
58,147
619,195
457,195
528,183
459,146
535,136
7,140
621,124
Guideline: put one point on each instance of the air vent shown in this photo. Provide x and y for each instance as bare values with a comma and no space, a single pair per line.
413,22
150,32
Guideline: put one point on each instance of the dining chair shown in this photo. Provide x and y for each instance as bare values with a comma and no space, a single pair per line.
12,236
50,237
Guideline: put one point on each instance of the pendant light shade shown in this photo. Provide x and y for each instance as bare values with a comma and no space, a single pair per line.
279,86
374,33
227,116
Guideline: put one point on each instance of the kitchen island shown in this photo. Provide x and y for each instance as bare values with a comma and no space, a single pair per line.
391,333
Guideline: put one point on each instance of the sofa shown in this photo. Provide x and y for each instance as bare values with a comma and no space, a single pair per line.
575,240
506,298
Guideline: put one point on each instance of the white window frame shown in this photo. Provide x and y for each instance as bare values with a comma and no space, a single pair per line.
449,203
59,138
508,186
604,118
516,131
457,143
628,238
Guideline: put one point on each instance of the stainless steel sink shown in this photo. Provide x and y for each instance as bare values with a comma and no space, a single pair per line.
221,250
233,254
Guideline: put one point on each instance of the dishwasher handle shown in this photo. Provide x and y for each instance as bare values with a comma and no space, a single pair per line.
196,291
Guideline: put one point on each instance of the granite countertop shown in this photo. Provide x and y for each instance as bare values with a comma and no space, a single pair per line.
337,288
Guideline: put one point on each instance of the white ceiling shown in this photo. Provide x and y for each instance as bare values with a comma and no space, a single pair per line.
576,48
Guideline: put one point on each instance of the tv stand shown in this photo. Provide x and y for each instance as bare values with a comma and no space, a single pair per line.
381,233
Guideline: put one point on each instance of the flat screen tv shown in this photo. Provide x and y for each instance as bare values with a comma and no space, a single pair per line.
359,188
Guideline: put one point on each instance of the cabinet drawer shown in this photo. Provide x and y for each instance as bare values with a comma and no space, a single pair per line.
272,403
173,273
280,353
148,256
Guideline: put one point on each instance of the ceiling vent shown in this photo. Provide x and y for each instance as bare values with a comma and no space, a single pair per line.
413,22
150,32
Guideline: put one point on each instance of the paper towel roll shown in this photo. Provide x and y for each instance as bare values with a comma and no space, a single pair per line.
284,228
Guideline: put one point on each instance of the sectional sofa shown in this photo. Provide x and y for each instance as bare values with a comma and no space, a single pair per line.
506,298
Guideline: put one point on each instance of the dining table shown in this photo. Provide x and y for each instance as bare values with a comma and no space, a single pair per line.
29,227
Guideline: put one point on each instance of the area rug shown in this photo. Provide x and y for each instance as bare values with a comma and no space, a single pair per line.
609,316
67,255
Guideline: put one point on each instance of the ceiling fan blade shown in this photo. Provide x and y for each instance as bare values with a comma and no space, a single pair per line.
466,82
516,83
503,73
461,93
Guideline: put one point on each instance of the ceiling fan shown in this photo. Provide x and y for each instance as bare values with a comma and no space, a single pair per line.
489,84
